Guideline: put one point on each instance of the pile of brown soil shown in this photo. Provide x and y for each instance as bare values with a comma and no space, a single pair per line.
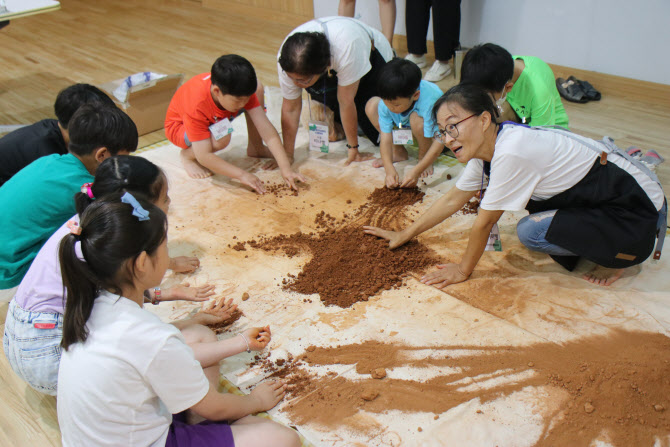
224,326
616,384
348,265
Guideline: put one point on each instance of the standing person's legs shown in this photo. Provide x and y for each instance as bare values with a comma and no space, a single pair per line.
417,17
346,8
446,28
446,32
387,12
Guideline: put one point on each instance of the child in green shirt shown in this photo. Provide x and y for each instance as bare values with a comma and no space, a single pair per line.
523,87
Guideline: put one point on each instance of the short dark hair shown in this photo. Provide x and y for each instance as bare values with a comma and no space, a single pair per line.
71,98
124,173
94,126
234,75
398,78
471,97
488,65
111,239
305,54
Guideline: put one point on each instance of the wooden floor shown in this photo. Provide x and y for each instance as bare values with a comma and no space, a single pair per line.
99,41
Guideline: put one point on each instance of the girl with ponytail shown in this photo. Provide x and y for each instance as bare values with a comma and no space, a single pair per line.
123,371
34,322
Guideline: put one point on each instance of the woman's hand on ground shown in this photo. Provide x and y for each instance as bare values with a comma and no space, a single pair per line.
395,238
445,275
184,264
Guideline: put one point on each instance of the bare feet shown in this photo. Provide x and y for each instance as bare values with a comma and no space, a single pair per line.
603,276
192,167
258,151
428,172
335,132
399,154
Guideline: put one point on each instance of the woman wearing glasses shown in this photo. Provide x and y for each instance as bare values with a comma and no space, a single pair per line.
585,199
337,60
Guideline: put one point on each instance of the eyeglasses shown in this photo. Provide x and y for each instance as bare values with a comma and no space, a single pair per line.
451,129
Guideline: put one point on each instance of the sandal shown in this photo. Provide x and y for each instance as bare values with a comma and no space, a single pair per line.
571,91
591,93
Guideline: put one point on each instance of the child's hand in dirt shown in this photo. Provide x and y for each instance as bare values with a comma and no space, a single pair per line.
258,337
216,312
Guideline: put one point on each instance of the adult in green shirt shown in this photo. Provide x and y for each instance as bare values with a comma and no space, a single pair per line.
38,199
523,87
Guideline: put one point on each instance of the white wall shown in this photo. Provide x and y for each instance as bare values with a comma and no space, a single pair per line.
619,37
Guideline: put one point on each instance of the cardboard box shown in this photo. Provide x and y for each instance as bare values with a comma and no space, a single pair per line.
146,103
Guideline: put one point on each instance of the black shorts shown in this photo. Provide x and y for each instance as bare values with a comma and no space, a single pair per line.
325,91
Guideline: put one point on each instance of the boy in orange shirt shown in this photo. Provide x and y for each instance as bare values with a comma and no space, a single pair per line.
199,121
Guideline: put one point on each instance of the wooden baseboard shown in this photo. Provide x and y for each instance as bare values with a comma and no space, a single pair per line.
607,84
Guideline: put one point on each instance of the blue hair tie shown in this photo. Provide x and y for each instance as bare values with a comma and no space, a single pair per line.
138,211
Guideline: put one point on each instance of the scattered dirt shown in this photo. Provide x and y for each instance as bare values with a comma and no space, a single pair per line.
279,190
471,207
616,384
448,176
245,296
348,265
225,324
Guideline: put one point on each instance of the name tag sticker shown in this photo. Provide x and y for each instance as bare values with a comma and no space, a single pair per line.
494,243
318,136
221,129
402,136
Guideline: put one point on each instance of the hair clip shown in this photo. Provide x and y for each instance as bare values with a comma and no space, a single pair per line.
74,227
86,189
138,211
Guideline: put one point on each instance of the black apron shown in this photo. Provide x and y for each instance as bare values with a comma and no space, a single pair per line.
325,91
606,218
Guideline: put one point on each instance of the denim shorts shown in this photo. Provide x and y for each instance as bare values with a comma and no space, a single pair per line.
32,346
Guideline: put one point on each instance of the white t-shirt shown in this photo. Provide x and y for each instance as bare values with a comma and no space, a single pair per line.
350,48
537,164
121,386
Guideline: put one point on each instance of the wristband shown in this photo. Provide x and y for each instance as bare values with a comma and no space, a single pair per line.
352,147
157,296
246,341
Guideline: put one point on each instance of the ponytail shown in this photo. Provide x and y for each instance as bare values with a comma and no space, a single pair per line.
80,284
101,254
129,173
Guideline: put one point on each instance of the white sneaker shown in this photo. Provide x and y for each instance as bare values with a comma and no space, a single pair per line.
420,61
438,71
